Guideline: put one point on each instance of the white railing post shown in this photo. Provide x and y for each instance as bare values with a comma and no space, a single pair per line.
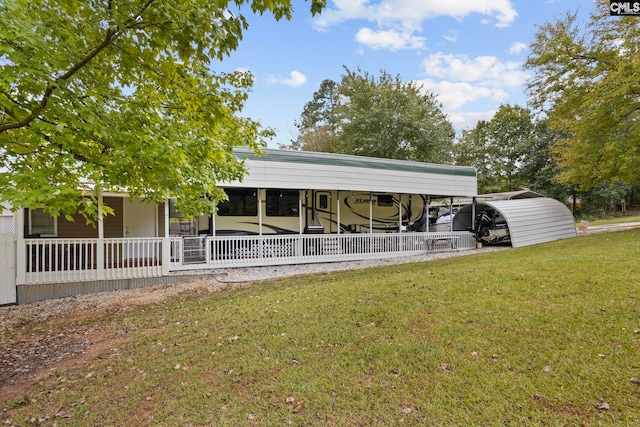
166,242
100,244
208,243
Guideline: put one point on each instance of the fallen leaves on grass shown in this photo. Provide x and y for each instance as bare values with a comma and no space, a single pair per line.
298,404
444,367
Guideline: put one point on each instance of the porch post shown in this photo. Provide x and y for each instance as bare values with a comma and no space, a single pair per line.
299,251
451,214
21,247
400,246
338,211
400,212
100,245
370,212
213,256
427,214
260,242
473,214
300,211
259,213
166,241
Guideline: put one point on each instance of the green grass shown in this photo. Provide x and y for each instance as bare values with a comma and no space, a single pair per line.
616,220
541,335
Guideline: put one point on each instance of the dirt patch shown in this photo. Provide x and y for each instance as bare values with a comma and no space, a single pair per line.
27,362
37,339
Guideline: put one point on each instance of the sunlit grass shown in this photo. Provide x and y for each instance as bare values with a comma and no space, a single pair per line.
616,220
548,334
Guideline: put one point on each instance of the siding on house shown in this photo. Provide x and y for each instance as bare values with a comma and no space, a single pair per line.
79,229
160,221
76,229
114,224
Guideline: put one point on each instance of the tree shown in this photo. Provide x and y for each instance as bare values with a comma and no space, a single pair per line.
120,94
587,80
389,118
472,149
318,122
381,117
539,169
510,132
498,148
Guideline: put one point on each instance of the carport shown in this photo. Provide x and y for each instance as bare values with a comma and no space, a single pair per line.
530,221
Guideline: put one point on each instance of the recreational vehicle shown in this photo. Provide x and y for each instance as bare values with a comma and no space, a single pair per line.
254,211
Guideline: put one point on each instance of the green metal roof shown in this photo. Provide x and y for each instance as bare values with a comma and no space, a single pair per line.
309,157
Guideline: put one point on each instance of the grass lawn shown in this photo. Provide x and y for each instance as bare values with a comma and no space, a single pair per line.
631,217
541,335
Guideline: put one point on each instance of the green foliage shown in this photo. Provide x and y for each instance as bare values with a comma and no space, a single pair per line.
121,95
539,169
603,199
511,151
389,118
378,117
472,149
586,78
510,132
318,122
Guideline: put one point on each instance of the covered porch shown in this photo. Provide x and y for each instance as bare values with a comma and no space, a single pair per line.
292,208
52,260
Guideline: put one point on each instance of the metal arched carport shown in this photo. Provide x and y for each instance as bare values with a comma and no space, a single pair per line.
530,221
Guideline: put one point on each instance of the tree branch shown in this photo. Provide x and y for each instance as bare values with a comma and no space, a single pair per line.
110,36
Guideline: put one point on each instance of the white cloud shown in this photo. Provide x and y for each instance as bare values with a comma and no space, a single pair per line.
399,20
295,79
454,95
389,39
487,69
451,36
517,47
461,121
501,12
458,80
344,10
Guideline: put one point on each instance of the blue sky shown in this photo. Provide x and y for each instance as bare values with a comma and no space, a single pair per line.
467,52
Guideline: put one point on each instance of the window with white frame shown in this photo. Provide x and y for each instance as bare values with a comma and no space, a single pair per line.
42,223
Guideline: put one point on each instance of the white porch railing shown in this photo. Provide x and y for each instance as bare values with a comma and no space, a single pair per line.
244,251
133,257
75,260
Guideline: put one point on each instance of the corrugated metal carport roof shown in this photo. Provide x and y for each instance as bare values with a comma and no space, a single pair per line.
306,170
530,221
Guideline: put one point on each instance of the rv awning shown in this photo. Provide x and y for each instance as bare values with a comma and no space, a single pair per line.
530,221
